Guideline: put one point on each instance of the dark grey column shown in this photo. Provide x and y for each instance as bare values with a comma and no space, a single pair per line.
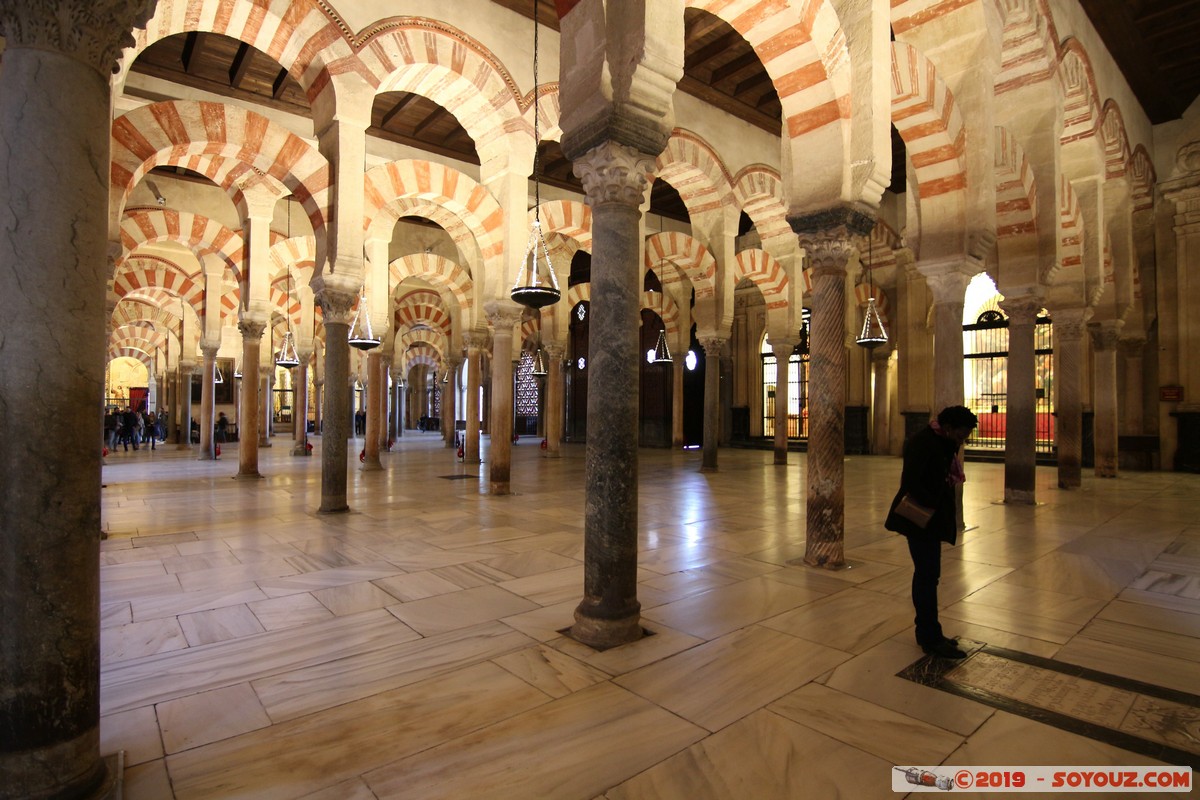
336,304
1020,448
712,400
54,178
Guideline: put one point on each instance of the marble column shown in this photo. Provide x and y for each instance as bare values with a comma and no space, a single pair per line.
828,252
337,302
382,377
881,411
186,369
374,390
475,343
400,405
783,362
554,400
1132,403
54,267
712,400
208,377
248,421
450,400
503,315
677,368
1020,445
300,406
266,385
614,181
1105,337
1069,352
947,282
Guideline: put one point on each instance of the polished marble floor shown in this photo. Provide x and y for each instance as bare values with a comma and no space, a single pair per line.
409,649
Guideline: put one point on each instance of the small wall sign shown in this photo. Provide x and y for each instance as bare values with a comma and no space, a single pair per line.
1170,394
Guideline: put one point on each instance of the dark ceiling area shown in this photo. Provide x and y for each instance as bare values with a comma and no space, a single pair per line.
1154,42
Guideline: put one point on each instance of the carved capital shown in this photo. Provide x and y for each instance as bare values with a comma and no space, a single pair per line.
209,349
849,220
475,341
614,173
91,31
1133,347
1022,309
712,345
1070,323
503,315
251,328
555,352
1105,335
337,306
828,251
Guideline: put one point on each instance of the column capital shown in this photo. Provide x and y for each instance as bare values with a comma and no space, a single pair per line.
251,328
187,367
1022,309
1070,323
1105,334
337,304
91,31
828,251
1132,346
948,278
209,348
503,315
614,173
712,344
475,340
787,343
555,351
847,221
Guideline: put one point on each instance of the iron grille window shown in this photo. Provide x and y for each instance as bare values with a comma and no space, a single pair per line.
985,351
527,389
797,416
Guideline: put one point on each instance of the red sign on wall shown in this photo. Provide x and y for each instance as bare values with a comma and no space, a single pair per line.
1170,394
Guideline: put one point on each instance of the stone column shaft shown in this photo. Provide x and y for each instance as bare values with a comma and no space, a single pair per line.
880,403
1069,352
300,406
614,179
382,377
554,400
266,395
1104,345
712,401
677,368
336,304
450,400
1020,447
185,406
252,331
371,434
783,359
503,315
474,378
825,542
207,405
54,267
1132,405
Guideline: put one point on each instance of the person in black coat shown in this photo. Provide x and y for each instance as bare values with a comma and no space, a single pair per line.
931,472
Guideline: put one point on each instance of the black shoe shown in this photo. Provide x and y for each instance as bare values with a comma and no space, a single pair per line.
945,648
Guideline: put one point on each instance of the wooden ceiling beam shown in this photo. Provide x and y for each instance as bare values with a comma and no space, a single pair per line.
400,105
193,46
737,65
710,51
437,114
240,65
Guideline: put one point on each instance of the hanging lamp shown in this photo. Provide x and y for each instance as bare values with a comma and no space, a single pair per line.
361,336
873,333
217,376
540,369
237,371
536,285
662,353
288,357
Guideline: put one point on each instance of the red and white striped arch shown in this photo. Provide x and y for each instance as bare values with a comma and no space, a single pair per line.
116,351
802,47
1081,104
1071,227
1016,195
549,111
141,338
662,304
1143,178
294,252
415,179
758,190
925,115
446,219
1027,50
688,255
569,219
423,336
421,308
202,235
694,170
130,311
162,133
766,273
438,270
579,293
302,36
285,297
1115,140
144,272
439,62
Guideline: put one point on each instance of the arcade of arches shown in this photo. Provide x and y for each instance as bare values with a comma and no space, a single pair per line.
191,185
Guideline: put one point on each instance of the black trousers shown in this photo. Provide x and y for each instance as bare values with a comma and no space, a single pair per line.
926,552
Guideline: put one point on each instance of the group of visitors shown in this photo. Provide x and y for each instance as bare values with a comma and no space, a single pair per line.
131,427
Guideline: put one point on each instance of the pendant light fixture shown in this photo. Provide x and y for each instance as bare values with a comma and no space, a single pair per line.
237,371
217,376
361,336
536,285
873,333
288,357
540,369
662,353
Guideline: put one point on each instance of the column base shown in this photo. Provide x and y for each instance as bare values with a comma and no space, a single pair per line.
248,476
342,509
499,488
1022,497
264,443
707,468
372,466
781,458
28,774
603,634
301,451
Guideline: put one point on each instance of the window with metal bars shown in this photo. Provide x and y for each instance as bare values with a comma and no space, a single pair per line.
797,396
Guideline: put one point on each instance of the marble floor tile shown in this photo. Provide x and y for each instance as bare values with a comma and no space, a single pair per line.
544,623
290,611
574,747
549,588
207,717
726,608
1137,637
1154,668
762,756
704,685
352,598
325,749
137,639
1039,602
446,612
549,670
314,687
215,577
1180,622
823,620
662,642
205,627
134,731
473,574
1005,619
171,605
324,579
891,736
416,585
148,781
114,614
528,562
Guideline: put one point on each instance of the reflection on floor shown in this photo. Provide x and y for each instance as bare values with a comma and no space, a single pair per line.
255,649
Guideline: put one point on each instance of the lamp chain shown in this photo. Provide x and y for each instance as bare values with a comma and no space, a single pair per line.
537,139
